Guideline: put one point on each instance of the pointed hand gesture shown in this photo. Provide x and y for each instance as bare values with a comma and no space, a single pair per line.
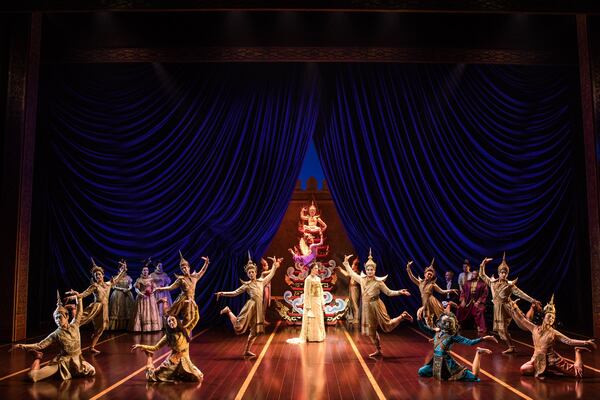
347,257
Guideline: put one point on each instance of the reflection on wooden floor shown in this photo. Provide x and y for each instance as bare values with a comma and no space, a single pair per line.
329,370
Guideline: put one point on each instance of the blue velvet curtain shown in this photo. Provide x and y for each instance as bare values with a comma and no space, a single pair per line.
143,160
454,162
444,161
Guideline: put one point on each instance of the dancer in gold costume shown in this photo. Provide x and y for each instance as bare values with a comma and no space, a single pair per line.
374,312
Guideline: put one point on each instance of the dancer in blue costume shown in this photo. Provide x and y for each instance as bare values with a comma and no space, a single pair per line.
442,366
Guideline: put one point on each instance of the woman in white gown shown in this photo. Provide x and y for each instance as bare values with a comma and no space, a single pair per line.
313,322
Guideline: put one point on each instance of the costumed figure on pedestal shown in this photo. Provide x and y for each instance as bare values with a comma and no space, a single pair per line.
374,312
184,307
312,222
502,289
178,367
545,360
147,318
251,317
432,307
69,363
161,279
122,304
442,366
98,312
473,297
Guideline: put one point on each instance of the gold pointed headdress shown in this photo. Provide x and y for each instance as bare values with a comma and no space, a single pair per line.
503,265
370,262
431,267
549,308
312,206
60,309
182,260
96,267
250,264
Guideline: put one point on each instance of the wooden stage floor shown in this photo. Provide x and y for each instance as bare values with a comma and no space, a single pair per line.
339,368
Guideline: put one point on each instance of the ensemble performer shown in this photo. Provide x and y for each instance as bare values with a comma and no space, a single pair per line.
178,367
69,363
313,318
251,317
121,304
502,289
545,360
373,311
147,317
161,279
184,307
432,307
473,297
353,294
442,366
97,312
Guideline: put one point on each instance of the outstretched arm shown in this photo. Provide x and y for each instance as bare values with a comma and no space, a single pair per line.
152,349
79,313
573,342
482,274
202,271
173,286
349,270
412,276
521,294
39,345
444,291
520,319
391,293
121,274
234,293
271,274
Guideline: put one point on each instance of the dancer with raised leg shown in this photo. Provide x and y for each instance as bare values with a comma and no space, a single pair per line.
184,307
178,367
374,313
432,307
502,289
546,361
69,363
98,311
251,317
442,366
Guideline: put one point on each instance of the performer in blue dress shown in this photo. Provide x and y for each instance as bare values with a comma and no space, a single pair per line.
442,366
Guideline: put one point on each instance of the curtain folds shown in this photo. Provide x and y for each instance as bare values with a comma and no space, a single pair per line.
454,162
144,160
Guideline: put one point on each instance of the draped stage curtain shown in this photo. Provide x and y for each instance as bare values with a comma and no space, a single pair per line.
444,161
454,162
143,160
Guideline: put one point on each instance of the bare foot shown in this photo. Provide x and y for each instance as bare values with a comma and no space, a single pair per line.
249,354
405,315
93,350
377,353
482,350
225,311
510,350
